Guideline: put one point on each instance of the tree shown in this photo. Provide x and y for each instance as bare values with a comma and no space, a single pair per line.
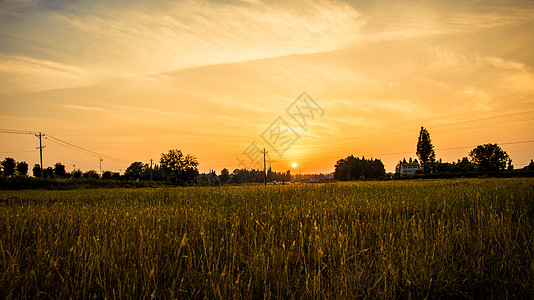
135,170
9,166
59,170
107,175
352,168
36,170
180,168
76,174
22,168
425,150
225,176
489,157
91,174
48,172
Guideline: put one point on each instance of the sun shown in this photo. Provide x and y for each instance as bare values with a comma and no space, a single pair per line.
294,165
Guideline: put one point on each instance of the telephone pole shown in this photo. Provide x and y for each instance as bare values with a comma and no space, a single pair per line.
101,160
40,135
151,169
264,167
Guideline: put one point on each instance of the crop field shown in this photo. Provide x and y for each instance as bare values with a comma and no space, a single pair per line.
398,239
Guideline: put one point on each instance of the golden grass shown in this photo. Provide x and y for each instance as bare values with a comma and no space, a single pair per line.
407,239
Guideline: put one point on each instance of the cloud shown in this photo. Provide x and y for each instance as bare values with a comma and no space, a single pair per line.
20,73
504,64
83,107
132,38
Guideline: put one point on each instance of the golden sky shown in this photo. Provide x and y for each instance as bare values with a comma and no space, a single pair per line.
133,79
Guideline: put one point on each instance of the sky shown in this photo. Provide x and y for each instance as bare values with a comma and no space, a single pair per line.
310,81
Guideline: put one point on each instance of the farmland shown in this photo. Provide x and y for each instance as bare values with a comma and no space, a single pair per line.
439,238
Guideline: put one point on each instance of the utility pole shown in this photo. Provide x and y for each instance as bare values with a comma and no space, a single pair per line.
264,167
151,169
40,135
101,160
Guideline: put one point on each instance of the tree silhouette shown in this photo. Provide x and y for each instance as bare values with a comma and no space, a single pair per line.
48,172
224,177
181,168
425,150
76,174
135,170
8,166
489,157
36,170
59,170
91,174
107,175
22,168
352,168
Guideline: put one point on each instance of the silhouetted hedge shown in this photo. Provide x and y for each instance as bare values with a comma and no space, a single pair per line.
32,183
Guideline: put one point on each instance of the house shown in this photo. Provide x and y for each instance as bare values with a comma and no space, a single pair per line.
407,167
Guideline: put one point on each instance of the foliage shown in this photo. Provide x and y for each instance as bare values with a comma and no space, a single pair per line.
489,157
33,183
48,172
461,166
397,239
59,170
135,170
107,175
22,168
8,166
352,168
91,174
425,150
36,170
224,177
181,169
76,174
257,176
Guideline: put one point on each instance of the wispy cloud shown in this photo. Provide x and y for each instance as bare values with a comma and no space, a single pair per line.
83,107
21,73
131,38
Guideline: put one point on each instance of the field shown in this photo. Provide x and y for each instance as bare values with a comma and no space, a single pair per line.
397,239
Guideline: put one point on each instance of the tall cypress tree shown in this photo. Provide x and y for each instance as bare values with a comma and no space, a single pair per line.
425,150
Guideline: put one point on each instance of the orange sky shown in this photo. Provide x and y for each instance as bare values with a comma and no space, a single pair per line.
134,79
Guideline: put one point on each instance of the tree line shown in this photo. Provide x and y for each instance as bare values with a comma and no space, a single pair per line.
174,167
484,159
177,168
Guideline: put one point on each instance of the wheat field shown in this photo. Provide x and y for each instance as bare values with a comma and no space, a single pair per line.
468,238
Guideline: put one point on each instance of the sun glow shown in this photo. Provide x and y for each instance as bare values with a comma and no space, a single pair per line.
294,165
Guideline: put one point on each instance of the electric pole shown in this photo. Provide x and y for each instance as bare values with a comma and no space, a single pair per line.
264,167
151,169
101,160
40,135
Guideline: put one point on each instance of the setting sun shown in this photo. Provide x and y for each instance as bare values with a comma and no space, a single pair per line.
215,78
294,165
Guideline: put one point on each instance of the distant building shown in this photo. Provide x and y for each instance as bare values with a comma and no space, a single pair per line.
407,167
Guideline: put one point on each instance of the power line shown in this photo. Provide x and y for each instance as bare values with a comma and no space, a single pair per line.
58,141
81,149
23,151
347,140
15,131
408,152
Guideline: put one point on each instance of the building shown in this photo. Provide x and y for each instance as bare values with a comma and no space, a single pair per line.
407,168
